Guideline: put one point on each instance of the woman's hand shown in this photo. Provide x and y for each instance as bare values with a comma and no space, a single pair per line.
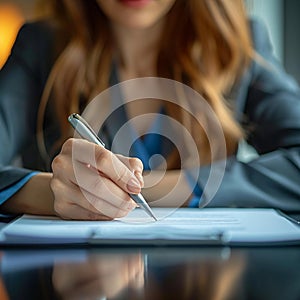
90,182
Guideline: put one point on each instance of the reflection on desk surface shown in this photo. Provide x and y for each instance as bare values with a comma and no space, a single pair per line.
151,273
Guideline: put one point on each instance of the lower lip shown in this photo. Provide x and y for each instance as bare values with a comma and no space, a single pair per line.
135,3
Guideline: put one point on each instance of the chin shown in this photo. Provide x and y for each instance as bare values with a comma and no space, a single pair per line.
136,24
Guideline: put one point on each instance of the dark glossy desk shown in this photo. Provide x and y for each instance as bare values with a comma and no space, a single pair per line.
151,273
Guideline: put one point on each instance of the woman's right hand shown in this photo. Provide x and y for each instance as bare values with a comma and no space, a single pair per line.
91,183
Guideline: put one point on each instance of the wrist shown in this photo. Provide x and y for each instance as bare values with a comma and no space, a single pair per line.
35,197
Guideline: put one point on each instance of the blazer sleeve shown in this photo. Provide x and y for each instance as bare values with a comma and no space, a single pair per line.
21,84
272,109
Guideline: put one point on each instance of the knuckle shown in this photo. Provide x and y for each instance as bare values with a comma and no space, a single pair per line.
102,157
68,145
57,164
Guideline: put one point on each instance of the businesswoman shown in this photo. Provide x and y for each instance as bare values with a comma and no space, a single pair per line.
57,66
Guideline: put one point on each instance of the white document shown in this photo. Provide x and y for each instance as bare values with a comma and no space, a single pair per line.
183,226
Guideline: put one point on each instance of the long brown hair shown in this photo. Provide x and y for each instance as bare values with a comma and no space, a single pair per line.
211,49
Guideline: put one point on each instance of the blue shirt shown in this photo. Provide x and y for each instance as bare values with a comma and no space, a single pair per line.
149,146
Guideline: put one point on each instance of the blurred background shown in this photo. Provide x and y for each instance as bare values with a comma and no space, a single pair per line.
12,14
281,17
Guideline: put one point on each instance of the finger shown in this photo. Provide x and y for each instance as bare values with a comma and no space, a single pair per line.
70,198
94,285
67,275
105,162
70,283
135,268
108,208
76,212
89,179
135,165
139,281
95,187
67,209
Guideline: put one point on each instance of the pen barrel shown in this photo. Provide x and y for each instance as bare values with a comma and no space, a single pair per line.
139,199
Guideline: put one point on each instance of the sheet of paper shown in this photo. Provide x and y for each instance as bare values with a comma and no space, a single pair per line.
181,226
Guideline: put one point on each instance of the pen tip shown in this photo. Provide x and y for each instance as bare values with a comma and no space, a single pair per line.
154,218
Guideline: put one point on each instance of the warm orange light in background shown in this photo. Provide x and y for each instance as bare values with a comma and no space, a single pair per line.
11,20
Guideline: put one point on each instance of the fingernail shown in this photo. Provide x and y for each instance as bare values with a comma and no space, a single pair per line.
133,185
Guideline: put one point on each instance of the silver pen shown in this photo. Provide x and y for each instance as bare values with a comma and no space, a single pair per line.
86,131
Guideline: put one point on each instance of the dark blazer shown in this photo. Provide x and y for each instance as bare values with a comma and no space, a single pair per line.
266,99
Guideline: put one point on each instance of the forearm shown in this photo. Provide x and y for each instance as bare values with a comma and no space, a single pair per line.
34,198
166,188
